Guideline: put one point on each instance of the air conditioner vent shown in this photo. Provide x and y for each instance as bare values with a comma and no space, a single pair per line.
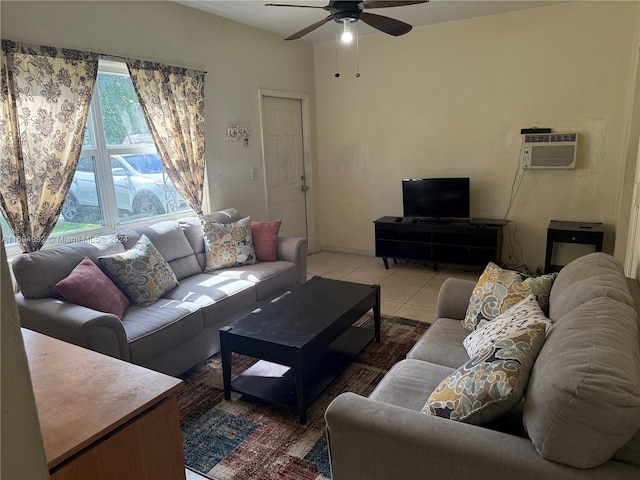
549,151
551,138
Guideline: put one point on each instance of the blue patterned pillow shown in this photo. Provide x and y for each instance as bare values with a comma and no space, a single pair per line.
142,273
492,382
227,244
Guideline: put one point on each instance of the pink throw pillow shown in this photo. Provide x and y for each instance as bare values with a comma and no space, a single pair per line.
265,239
88,286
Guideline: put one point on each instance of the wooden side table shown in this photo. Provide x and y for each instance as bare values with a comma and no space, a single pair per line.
571,232
102,418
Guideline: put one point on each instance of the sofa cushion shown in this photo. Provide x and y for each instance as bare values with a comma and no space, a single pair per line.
228,215
169,239
409,382
594,275
492,382
269,278
153,330
583,400
228,244
630,451
192,229
516,318
38,272
442,344
88,286
497,290
141,272
222,299
265,240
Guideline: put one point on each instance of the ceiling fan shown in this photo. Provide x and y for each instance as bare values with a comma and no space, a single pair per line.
348,12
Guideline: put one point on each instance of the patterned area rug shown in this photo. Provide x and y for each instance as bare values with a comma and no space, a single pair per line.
245,439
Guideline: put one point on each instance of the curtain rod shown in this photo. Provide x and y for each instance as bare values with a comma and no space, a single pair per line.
108,56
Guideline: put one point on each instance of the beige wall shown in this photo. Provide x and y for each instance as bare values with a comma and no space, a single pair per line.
239,60
450,100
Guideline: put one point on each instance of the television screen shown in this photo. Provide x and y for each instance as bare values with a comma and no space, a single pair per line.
436,197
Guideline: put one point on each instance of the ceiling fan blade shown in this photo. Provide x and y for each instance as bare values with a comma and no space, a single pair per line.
309,29
385,4
385,24
290,5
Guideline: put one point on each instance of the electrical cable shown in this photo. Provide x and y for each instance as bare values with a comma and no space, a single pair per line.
515,261
513,195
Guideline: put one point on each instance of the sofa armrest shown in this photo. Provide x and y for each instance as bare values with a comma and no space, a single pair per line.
453,298
374,440
101,332
294,249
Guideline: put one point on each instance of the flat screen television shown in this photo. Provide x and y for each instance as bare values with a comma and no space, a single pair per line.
436,198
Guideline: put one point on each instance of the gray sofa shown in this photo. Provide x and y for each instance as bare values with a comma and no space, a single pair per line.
579,418
178,331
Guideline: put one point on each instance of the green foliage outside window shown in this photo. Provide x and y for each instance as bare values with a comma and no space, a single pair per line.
122,115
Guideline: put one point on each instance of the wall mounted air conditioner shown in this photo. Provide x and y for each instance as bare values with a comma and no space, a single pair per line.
549,150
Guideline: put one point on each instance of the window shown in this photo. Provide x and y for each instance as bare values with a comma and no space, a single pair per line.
120,180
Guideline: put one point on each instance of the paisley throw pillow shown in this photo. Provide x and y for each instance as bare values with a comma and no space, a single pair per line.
227,244
497,290
492,382
141,272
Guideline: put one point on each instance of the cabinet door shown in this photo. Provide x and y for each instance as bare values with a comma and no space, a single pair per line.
149,447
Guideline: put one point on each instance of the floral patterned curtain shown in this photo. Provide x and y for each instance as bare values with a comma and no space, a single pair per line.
44,96
172,100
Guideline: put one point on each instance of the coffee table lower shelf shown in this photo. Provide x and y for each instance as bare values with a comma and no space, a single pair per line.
276,383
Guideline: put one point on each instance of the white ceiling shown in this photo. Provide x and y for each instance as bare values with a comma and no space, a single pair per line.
287,20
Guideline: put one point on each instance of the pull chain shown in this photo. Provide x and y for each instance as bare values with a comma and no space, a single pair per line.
337,67
357,52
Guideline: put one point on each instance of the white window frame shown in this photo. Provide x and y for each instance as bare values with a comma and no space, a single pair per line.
104,177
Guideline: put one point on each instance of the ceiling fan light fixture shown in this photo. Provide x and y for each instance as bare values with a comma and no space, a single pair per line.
347,30
349,12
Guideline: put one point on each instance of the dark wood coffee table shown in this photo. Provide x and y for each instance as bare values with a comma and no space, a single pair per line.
308,333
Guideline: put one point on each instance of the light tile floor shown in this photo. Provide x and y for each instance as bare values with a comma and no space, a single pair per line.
408,289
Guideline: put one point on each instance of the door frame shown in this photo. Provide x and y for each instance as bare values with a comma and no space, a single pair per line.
306,154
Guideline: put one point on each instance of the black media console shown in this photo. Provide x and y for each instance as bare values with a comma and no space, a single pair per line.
466,242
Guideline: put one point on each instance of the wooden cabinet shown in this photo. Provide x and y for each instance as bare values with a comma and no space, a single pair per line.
460,242
102,418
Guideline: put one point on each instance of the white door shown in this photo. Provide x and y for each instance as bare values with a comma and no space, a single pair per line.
284,164
633,246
